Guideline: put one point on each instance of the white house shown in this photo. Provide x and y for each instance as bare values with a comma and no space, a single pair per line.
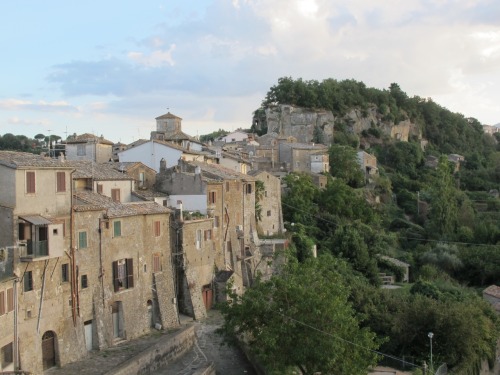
236,136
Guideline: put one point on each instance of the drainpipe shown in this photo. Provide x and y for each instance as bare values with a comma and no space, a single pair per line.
72,253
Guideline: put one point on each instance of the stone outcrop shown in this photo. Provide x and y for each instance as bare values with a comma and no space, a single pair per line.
302,123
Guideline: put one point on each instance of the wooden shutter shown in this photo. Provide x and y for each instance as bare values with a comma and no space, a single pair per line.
2,302
99,188
115,195
30,183
61,182
116,284
130,273
156,262
10,300
157,228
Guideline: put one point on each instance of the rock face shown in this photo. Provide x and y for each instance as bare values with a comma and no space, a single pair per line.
302,123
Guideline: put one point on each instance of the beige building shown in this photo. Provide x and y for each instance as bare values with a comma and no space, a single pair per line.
303,157
79,268
89,147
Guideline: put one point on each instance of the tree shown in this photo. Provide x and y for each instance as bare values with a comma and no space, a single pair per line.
302,319
344,164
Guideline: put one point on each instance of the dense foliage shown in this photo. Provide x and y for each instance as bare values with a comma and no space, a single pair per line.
302,320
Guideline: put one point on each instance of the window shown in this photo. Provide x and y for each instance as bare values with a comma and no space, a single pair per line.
156,262
7,355
99,188
2,303
269,213
82,240
65,273
265,193
123,274
10,300
115,195
227,185
249,188
117,228
208,235
30,183
216,221
198,239
28,281
84,281
212,197
81,150
141,179
157,228
61,182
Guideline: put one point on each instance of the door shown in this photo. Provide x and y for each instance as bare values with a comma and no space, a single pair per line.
88,335
48,350
207,297
117,314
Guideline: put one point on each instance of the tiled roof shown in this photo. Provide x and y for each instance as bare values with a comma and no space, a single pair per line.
16,159
87,137
117,209
97,171
493,291
167,115
218,172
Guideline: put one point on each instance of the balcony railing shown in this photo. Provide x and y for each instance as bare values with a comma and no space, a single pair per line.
34,249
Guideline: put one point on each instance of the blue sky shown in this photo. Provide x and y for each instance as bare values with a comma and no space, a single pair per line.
110,67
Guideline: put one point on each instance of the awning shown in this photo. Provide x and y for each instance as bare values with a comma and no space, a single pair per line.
36,220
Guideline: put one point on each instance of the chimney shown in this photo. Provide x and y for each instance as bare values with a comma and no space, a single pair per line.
61,157
179,207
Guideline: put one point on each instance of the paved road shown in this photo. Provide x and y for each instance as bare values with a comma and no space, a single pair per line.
227,360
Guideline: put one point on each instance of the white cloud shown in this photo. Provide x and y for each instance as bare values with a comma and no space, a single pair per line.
18,121
155,59
55,106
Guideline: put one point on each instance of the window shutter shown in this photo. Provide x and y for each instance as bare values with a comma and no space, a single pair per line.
10,300
61,182
130,273
30,183
115,276
2,302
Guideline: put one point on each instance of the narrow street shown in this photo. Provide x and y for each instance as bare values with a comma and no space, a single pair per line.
227,360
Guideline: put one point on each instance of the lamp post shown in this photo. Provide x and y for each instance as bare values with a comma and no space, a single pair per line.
431,335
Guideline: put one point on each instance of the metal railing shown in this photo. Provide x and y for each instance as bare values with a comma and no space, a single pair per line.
34,249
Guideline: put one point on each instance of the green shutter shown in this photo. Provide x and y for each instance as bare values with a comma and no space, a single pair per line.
117,227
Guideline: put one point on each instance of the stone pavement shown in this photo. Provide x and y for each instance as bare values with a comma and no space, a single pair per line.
227,360
207,350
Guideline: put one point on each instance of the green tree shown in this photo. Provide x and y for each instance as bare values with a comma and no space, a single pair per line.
302,320
344,164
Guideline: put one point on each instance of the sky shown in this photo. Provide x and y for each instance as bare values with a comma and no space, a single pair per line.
111,67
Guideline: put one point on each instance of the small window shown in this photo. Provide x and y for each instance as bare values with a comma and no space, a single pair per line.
227,185
61,182
82,240
157,228
269,213
115,195
117,228
65,273
123,274
84,281
81,150
198,239
30,183
216,221
28,281
212,197
249,188
99,188
208,235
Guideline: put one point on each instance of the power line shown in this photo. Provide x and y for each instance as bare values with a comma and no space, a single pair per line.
349,342
403,237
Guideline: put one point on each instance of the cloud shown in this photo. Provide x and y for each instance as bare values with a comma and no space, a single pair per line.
154,59
41,106
18,121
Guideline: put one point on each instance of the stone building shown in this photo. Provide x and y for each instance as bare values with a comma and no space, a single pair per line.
143,176
271,214
367,163
81,267
302,157
35,214
227,198
89,147
169,129
125,271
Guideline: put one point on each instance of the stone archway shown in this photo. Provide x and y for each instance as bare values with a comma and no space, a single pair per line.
48,350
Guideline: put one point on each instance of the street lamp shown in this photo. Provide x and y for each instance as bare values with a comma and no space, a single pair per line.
431,335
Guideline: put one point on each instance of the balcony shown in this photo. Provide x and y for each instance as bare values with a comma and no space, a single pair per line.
34,249
39,238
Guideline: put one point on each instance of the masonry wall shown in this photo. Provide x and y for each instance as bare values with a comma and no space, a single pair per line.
271,213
